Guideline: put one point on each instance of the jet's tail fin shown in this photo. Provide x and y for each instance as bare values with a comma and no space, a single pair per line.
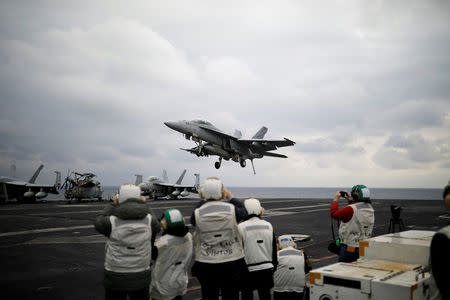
261,133
164,176
197,181
58,179
12,171
181,177
36,174
138,179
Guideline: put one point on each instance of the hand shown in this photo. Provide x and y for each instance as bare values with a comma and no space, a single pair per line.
337,196
347,196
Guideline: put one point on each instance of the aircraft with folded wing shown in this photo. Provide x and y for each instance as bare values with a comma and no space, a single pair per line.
27,191
212,141
155,187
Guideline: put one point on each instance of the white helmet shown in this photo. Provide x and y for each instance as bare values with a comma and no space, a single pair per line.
253,206
128,191
285,241
212,188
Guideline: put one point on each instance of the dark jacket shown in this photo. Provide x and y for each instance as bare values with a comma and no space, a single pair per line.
131,209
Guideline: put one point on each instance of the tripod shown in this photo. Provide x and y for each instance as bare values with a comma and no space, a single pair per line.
395,219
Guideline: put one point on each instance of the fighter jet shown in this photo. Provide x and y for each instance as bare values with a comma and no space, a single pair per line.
212,141
155,187
27,191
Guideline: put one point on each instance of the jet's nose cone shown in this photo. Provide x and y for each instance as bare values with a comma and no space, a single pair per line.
174,125
170,124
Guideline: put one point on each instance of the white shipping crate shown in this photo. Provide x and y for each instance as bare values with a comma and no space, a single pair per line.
391,267
412,246
373,280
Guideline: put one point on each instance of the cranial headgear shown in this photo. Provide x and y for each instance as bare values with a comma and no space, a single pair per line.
174,218
360,193
285,241
128,191
211,189
253,206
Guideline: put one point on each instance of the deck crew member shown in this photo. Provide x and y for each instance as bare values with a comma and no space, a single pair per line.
130,228
357,220
219,256
260,250
293,265
173,258
439,255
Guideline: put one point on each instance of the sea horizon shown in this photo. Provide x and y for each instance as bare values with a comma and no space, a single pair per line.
319,192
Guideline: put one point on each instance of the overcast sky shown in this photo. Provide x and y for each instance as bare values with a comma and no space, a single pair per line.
362,87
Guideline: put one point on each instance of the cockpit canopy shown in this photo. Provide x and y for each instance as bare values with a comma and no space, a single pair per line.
152,178
201,122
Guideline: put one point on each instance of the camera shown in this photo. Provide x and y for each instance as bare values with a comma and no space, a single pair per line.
343,194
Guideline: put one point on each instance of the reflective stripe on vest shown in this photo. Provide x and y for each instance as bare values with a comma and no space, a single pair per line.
290,273
216,237
257,237
360,225
128,248
170,273
290,252
213,209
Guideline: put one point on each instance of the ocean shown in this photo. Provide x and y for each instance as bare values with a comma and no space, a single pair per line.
318,193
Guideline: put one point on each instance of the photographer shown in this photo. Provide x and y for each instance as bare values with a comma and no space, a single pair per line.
356,221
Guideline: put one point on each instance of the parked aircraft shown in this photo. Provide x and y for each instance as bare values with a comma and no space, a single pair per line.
212,141
27,191
81,186
155,187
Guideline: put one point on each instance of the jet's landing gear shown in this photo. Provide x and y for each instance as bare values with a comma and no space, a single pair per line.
243,163
218,163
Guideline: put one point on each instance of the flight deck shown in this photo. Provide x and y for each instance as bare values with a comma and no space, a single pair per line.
52,251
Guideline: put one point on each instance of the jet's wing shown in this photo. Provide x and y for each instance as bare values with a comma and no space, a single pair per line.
169,187
220,133
45,187
33,186
189,188
259,145
274,154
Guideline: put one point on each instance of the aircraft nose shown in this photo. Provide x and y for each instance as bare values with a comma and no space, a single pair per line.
174,125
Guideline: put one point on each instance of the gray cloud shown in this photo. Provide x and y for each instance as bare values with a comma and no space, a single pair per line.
87,86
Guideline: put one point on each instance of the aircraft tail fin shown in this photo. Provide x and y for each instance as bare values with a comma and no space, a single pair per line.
138,179
197,181
261,133
164,176
58,179
12,171
181,177
237,134
36,174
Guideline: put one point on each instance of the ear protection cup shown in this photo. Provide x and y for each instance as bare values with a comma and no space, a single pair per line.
200,194
115,200
356,192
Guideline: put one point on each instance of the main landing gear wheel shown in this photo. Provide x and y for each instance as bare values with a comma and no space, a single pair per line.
217,164
243,163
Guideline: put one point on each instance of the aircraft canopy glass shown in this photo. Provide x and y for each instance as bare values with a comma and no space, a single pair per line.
202,122
152,178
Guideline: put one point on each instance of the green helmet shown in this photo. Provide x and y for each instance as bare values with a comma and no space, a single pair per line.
174,218
360,193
